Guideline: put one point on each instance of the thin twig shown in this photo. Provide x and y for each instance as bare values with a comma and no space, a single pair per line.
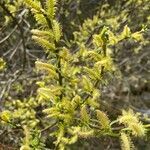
21,32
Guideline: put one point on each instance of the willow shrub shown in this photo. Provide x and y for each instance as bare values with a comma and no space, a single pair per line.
69,93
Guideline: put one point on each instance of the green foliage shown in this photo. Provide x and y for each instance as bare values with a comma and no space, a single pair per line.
69,93
65,86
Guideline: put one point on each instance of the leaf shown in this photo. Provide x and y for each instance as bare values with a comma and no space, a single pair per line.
97,40
126,33
113,40
137,36
5,116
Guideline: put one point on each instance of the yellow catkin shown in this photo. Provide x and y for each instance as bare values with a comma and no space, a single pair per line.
44,43
128,117
137,129
51,9
126,143
43,33
45,66
86,134
103,119
33,4
84,114
57,30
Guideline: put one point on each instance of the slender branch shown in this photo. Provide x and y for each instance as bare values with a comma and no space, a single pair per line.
46,17
7,37
21,32
49,127
57,51
102,72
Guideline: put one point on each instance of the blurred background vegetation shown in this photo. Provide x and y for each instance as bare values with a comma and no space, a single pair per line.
80,19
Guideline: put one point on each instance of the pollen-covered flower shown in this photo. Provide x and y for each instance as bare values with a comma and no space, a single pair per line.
137,129
128,117
126,143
